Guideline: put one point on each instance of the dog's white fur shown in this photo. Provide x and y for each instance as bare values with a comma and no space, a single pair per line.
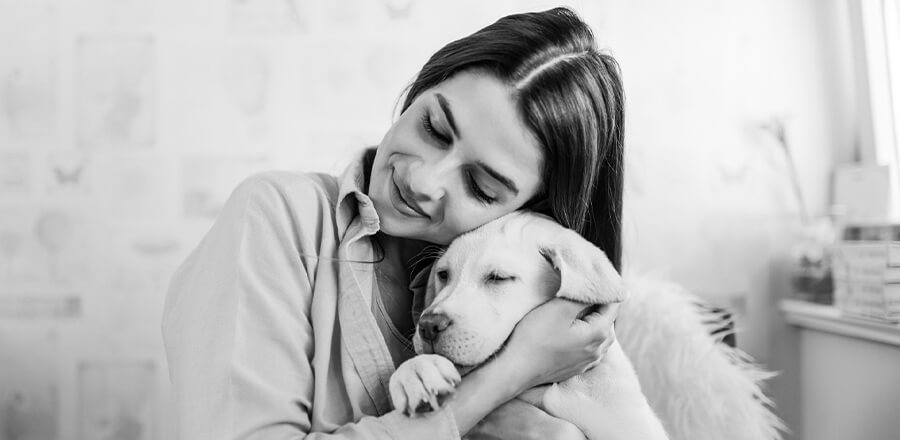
701,388
485,282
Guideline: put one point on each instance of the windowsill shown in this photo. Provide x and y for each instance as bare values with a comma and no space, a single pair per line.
829,319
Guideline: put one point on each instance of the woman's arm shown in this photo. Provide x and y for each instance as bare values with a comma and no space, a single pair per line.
521,420
240,342
238,333
550,344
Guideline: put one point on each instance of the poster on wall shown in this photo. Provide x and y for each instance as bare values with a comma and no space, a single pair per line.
15,174
117,400
40,306
29,382
116,92
28,101
14,233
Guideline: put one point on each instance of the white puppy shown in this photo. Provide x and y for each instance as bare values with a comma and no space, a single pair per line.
480,288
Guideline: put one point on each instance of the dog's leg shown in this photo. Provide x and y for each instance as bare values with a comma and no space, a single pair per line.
421,384
605,402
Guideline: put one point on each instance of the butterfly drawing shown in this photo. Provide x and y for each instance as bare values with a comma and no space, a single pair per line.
68,177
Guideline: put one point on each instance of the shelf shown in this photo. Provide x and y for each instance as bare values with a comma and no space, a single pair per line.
829,319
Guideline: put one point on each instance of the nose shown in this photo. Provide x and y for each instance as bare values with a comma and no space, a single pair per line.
432,324
428,180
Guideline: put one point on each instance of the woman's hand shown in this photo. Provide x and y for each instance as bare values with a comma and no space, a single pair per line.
550,344
554,342
518,419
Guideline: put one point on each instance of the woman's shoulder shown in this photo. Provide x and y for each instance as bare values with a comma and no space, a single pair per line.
289,195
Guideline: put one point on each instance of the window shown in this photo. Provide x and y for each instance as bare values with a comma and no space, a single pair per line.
880,49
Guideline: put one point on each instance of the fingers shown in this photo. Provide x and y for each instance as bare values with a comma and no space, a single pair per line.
564,308
590,324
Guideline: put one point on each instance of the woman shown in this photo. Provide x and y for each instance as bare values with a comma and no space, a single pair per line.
290,316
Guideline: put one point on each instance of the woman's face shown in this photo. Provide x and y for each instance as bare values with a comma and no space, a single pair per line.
458,157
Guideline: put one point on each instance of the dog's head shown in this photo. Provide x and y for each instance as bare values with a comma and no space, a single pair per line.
488,279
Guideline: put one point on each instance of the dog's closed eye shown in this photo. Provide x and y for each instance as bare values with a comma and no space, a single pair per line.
497,277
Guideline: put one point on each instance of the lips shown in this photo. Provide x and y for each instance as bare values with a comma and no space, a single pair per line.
404,201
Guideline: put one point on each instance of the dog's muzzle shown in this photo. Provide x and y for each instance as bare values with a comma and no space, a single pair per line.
432,324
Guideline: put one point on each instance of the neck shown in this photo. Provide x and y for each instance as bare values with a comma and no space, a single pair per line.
405,251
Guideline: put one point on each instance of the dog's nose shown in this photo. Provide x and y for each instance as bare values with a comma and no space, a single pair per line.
432,324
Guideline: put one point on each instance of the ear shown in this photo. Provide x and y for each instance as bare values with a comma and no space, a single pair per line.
422,287
586,274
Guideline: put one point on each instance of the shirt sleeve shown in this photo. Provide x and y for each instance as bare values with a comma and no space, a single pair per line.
237,330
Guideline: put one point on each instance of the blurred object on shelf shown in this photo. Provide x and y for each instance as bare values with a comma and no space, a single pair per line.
811,255
867,271
811,276
875,232
865,194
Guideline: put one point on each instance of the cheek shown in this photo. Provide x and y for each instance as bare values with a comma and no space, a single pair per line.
485,323
404,133
465,215
496,313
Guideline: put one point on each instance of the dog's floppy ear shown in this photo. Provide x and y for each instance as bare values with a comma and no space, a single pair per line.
586,274
422,287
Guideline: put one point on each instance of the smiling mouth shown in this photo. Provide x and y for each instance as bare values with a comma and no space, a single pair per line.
406,200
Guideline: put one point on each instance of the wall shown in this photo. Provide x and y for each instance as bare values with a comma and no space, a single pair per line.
125,123
841,372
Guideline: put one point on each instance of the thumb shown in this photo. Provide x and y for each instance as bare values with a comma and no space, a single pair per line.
553,401
534,396
599,322
565,308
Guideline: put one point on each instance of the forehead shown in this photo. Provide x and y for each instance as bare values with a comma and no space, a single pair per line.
506,243
491,128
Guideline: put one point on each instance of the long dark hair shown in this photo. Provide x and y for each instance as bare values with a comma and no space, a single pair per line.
570,95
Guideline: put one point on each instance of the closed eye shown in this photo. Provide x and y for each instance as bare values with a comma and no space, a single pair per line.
496,277
476,191
432,131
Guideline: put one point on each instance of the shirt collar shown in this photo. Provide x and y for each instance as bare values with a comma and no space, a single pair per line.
352,199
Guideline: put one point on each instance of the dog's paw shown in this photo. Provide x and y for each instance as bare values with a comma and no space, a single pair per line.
423,384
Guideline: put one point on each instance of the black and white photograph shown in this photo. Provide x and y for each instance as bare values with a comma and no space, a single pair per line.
479,220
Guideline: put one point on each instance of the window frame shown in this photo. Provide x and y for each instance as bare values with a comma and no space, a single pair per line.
875,27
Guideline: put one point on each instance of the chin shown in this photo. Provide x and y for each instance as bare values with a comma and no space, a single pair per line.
396,227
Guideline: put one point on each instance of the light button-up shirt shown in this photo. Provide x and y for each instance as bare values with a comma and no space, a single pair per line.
269,327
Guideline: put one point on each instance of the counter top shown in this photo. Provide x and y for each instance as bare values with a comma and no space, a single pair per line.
829,319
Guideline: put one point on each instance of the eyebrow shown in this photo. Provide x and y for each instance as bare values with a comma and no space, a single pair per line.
445,106
505,181
499,177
